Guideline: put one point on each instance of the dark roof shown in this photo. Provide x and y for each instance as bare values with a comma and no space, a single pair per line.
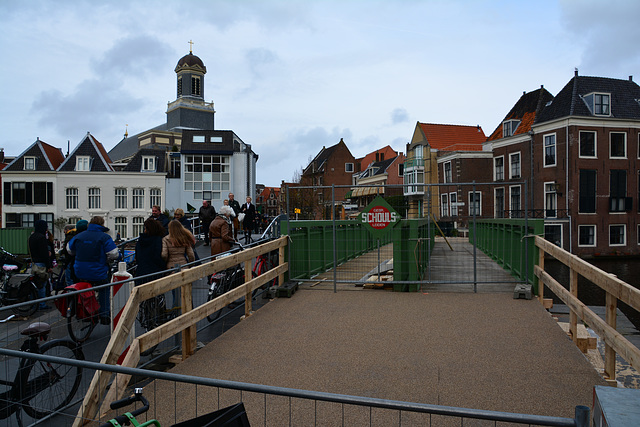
324,155
190,61
525,110
89,146
624,102
379,168
48,157
135,165
127,147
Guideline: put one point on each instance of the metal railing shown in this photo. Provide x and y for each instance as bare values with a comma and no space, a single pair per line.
258,408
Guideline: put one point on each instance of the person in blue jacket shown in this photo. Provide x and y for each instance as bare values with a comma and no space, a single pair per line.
93,249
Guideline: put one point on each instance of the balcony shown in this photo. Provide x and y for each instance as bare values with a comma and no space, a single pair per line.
414,163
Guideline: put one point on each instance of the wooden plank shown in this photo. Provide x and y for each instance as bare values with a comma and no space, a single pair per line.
188,334
619,343
573,317
609,353
122,380
247,298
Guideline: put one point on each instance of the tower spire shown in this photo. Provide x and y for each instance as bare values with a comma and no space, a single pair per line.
190,46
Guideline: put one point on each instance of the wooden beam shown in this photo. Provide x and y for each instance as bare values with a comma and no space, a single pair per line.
619,343
611,305
122,380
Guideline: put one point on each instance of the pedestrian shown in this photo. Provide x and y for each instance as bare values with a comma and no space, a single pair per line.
157,214
40,253
206,214
176,246
249,211
94,249
220,231
149,251
236,210
178,214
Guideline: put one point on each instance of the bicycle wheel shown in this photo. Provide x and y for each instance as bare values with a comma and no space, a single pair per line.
79,329
51,386
218,289
150,316
27,292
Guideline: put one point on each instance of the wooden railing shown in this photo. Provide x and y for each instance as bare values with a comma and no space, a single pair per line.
615,290
184,324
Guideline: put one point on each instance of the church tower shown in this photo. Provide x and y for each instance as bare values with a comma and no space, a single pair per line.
189,110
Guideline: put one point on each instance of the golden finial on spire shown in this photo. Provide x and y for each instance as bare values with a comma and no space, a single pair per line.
190,46
126,131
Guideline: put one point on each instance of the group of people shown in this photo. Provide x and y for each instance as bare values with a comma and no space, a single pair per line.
212,223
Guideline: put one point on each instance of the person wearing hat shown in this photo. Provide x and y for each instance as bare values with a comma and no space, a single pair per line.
65,257
178,214
40,258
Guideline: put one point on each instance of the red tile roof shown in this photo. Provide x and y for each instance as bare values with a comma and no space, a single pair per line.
54,154
453,137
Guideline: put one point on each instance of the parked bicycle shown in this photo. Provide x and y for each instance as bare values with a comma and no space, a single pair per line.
153,313
16,288
41,388
264,263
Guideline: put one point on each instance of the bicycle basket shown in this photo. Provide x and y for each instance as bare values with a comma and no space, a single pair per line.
14,284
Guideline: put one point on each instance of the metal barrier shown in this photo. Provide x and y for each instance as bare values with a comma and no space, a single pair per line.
340,409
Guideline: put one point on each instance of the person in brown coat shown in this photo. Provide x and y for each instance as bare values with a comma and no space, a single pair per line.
220,231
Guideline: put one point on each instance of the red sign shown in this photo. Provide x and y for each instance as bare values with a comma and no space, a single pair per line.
379,217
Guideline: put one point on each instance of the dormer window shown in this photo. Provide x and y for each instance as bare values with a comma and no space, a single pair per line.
509,127
198,138
83,163
148,164
598,103
29,163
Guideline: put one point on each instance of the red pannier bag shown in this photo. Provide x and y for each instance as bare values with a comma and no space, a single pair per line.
86,303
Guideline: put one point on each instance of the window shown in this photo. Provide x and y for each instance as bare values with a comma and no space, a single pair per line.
499,200
587,196
475,205
71,196
29,163
601,104
411,178
206,175
550,200
121,198
509,127
216,139
348,167
195,85
514,168
138,225
19,193
617,235
28,193
179,87
155,197
550,150
400,169
444,205
453,198
586,235
587,144
514,205
498,169
73,220
618,145
94,198
83,163
137,199
121,226
42,193
618,191
447,172
148,164
198,138
553,234
418,152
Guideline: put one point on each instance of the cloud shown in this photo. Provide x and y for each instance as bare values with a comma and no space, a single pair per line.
399,115
133,57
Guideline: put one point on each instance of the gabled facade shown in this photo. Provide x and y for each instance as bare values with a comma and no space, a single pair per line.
373,179
586,162
421,166
379,155
268,202
334,165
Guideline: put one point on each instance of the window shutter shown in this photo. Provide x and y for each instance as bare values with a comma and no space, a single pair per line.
49,193
29,193
7,193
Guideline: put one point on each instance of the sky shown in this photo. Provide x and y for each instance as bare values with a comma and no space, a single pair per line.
289,77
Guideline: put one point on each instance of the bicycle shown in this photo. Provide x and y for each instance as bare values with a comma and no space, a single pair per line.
153,313
264,263
221,283
16,288
42,388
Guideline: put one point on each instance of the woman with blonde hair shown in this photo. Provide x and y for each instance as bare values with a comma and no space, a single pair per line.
176,246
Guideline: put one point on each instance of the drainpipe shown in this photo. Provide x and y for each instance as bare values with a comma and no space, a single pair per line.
531,134
566,188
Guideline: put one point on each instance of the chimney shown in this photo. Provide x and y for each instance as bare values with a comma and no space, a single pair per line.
630,78
576,71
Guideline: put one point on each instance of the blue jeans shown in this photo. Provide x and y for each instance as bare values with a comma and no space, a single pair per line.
42,292
103,300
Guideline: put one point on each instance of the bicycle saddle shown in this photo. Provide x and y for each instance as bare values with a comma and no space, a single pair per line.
37,329
9,267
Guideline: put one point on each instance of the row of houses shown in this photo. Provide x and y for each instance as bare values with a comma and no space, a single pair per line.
571,159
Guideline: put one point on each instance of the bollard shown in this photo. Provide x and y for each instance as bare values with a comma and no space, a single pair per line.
582,416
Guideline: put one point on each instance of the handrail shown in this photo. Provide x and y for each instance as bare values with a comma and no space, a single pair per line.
615,289
185,323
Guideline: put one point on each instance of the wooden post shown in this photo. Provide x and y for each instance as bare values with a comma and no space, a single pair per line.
573,317
280,262
189,334
121,381
609,352
247,298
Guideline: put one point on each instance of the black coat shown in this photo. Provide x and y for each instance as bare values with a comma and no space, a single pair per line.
249,215
149,256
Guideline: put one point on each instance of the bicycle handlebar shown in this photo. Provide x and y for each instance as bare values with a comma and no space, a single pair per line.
121,419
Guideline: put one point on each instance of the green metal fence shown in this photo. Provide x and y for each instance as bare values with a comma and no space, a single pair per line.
15,240
509,243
